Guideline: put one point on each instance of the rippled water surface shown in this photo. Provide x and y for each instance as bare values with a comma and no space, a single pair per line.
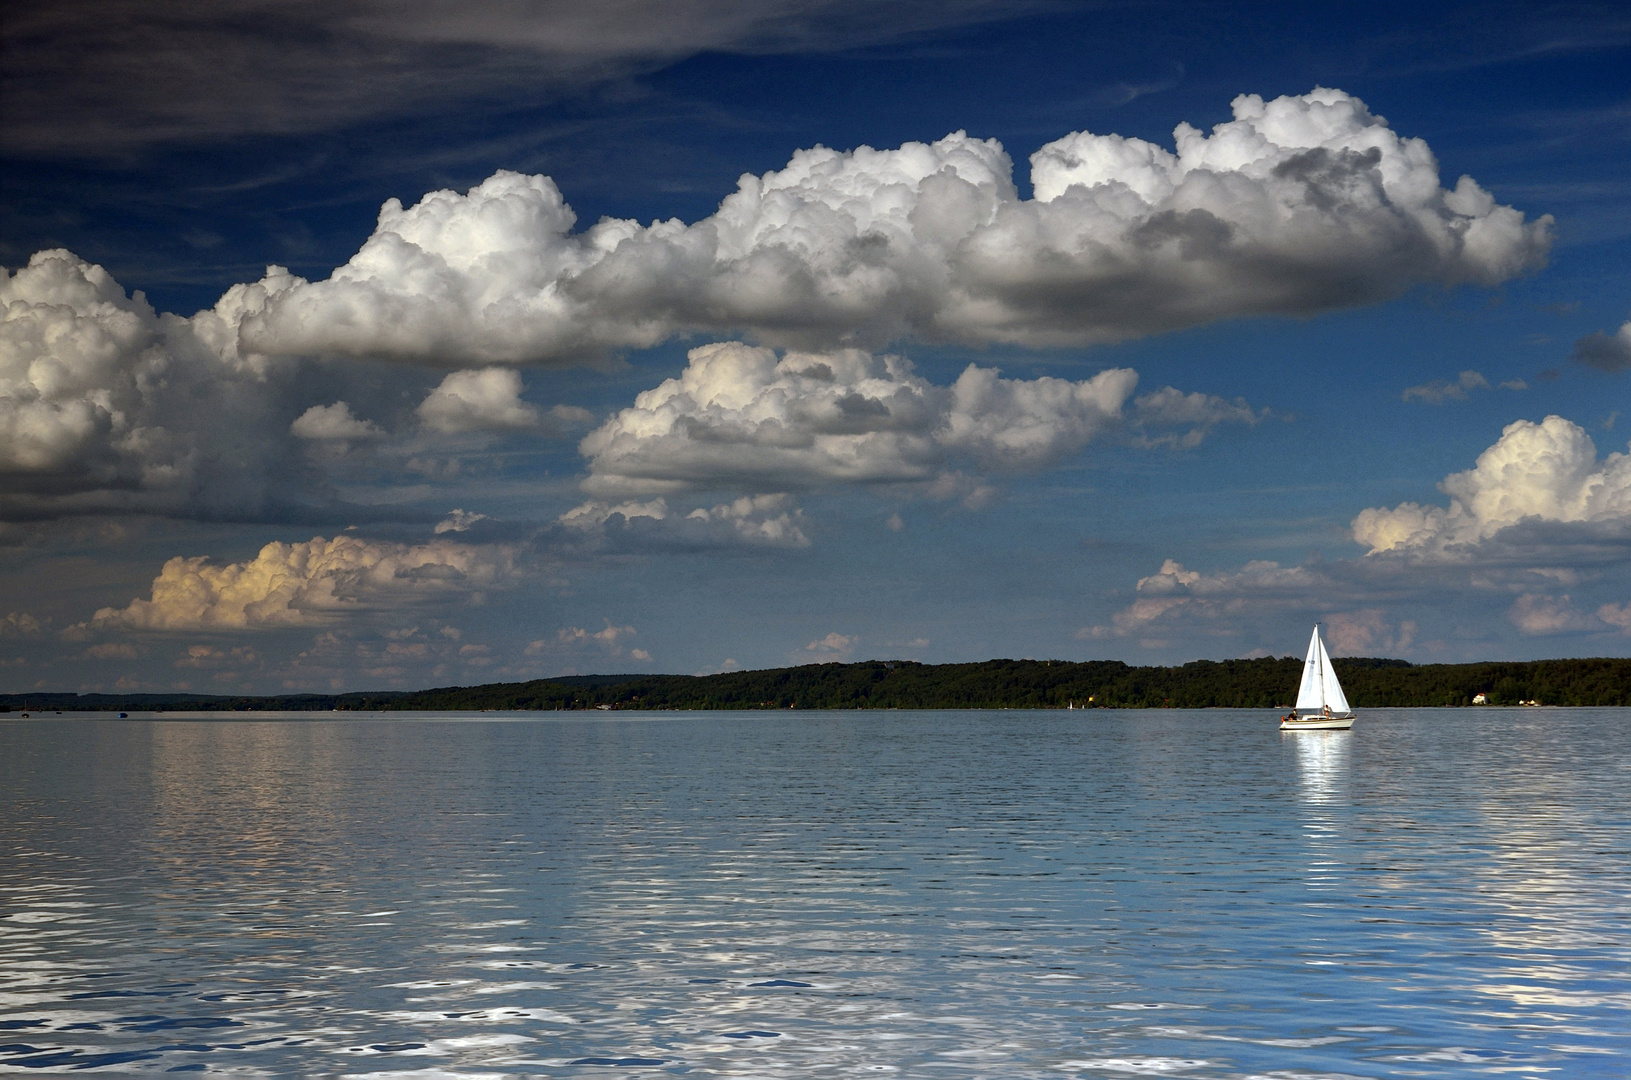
1438,893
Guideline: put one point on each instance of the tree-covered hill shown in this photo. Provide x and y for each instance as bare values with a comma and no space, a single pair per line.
1019,684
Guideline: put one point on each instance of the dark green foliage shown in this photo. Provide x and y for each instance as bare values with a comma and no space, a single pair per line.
995,684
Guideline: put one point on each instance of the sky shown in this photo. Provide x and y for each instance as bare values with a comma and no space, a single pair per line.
361,346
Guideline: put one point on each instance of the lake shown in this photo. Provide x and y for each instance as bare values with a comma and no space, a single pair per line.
1006,894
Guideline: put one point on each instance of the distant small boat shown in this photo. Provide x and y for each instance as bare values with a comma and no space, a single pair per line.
1321,704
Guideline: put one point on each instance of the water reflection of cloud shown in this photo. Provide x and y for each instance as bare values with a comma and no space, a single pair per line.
779,898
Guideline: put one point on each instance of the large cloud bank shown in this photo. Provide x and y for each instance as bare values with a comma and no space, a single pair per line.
109,406
1538,473
742,418
106,404
1297,205
309,583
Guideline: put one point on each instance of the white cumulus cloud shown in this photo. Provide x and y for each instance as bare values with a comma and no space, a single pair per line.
105,403
1545,472
485,400
1297,205
308,583
489,399
334,421
740,417
109,406
834,646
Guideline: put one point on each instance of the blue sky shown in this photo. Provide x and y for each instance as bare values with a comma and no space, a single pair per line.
821,363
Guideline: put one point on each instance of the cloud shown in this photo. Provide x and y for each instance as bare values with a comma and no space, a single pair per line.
210,657
834,646
489,400
1616,615
1535,473
1441,390
607,637
1605,352
575,638
109,650
1176,602
305,584
740,417
19,624
109,406
102,78
1537,615
1537,514
608,641
1368,632
485,400
459,521
1199,413
1175,589
1297,205
757,520
80,367
333,422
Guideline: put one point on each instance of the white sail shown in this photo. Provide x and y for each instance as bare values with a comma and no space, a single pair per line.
1334,697
1311,694
1320,688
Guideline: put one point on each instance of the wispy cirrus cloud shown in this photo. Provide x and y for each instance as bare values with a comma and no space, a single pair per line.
773,521
1441,390
102,78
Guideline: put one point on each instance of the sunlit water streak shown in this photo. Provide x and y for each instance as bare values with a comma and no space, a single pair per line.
1437,893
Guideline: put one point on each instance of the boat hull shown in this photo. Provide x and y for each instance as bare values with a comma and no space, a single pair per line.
1318,723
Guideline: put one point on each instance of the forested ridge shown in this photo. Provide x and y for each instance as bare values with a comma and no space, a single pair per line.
1014,684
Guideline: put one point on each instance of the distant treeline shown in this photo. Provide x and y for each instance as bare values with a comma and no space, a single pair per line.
1012,684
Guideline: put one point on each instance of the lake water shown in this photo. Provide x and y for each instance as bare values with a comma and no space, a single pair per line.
1437,893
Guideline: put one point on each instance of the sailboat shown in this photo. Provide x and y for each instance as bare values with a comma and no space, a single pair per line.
1321,704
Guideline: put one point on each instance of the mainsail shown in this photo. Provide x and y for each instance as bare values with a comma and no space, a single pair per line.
1320,688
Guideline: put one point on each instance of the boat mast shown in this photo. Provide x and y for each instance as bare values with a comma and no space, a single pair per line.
1319,662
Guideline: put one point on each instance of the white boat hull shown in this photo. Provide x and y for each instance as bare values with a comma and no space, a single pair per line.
1317,723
